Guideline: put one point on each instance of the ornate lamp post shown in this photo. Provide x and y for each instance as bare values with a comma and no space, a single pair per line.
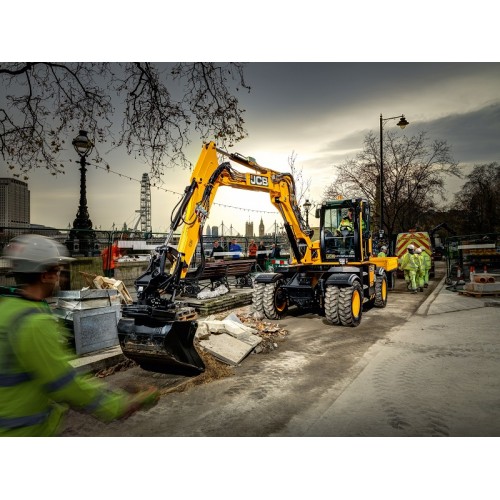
402,123
307,206
82,225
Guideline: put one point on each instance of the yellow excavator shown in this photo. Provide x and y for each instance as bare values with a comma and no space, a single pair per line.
336,274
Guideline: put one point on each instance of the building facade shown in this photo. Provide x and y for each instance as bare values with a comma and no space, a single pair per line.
14,203
249,229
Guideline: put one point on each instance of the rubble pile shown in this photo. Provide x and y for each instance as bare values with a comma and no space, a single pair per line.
270,333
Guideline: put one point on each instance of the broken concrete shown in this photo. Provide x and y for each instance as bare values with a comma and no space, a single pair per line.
229,340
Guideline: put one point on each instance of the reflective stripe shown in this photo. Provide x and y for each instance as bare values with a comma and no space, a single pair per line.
13,423
10,379
93,405
55,385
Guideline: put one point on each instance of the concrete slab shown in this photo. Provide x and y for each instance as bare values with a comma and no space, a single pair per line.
98,360
226,348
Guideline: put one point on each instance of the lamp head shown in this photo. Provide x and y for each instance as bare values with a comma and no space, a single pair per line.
403,122
82,144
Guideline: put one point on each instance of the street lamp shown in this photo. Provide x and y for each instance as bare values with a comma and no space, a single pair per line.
402,123
307,206
82,225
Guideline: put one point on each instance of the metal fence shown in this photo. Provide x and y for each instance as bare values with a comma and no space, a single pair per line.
87,246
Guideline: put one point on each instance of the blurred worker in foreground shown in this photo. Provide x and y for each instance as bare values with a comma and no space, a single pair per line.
420,272
426,263
37,383
410,264
383,252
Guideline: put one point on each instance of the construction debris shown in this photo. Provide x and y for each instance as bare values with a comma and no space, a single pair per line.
103,283
270,333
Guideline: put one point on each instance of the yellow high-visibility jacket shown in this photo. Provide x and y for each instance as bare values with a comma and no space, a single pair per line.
410,262
426,261
37,382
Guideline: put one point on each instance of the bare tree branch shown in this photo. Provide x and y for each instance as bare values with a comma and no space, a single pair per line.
414,171
43,105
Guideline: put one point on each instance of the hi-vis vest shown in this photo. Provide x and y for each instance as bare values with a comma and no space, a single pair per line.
410,262
35,374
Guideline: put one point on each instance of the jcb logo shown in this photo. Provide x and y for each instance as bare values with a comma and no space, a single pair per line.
259,180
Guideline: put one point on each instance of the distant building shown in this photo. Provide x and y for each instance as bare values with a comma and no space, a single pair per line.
249,229
261,228
215,231
44,230
208,232
14,203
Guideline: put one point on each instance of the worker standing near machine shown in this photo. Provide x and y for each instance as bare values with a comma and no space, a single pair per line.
252,249
235,248
37,382
410,264
110,256
420,271
383,252
426,264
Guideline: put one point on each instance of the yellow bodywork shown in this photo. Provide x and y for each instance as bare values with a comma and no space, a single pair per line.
280,186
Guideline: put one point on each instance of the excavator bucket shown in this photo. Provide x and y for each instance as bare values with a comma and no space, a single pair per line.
165,347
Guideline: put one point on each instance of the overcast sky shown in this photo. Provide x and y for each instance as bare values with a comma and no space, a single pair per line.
319,111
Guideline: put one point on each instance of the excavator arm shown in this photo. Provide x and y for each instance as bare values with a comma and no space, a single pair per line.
208,175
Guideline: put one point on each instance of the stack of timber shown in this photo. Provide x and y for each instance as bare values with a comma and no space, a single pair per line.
103,283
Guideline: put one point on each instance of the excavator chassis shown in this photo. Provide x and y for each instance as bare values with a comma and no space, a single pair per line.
157,343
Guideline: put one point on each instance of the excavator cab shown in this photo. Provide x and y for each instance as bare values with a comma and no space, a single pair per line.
344,235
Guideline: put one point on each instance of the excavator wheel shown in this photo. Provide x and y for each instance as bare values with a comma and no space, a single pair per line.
332,304
351,304
258,297
381,291
275,300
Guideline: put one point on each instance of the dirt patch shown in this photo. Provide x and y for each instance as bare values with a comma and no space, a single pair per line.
121,366
214,370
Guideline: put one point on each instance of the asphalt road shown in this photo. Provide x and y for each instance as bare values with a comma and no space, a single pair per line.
282,393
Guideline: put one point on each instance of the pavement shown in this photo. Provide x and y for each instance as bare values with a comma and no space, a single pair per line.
436,375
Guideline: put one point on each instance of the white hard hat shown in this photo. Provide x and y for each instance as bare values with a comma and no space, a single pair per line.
33,253
411,246
384,248
418,250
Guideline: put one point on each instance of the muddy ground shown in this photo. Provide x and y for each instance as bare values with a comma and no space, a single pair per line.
268,393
